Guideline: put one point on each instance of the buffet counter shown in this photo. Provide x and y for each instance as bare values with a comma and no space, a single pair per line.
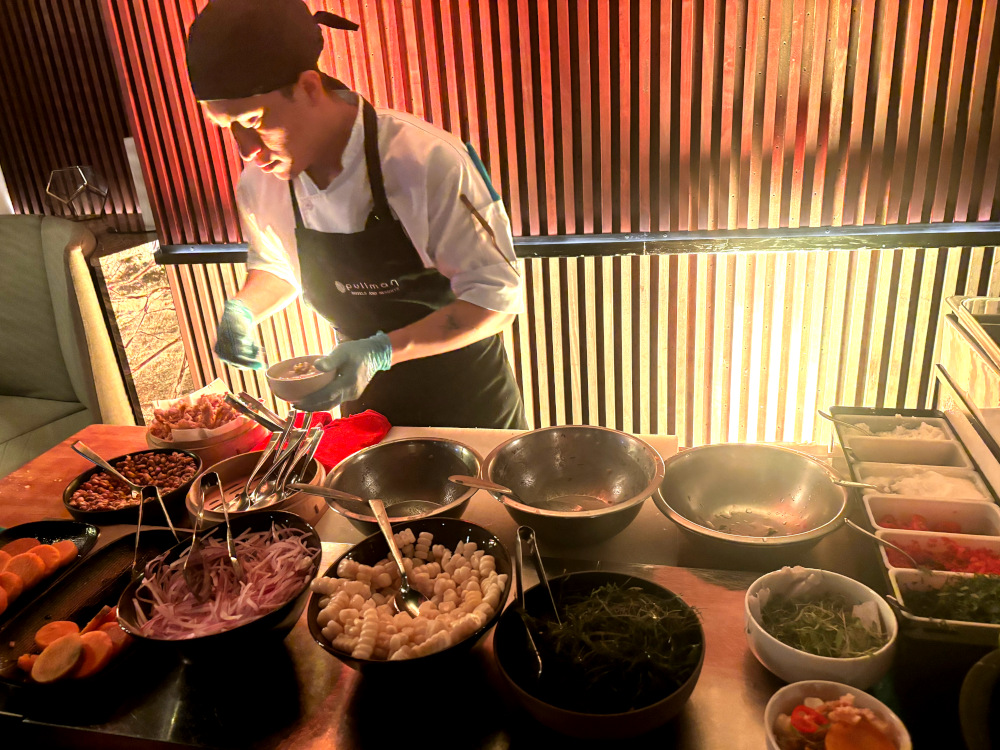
296,695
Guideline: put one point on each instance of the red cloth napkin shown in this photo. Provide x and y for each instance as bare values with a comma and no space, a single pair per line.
342,437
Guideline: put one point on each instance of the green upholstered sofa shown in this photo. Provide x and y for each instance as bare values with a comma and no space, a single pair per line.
58,370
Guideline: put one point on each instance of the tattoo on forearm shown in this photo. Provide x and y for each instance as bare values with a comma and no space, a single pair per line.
451,322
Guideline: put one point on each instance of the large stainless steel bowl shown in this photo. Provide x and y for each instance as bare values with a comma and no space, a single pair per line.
751,496
410,476
575,484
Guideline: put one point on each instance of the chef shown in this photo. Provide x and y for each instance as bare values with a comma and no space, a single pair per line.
387,226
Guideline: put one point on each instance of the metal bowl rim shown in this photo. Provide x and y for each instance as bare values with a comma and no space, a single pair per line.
464,497
760,542
648,491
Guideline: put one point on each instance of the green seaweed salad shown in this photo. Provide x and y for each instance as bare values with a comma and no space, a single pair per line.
619,648
967,598
825,626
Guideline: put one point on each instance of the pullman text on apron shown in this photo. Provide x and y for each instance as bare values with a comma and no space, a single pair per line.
374,280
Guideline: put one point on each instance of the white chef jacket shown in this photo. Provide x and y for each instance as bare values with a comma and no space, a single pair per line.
424,169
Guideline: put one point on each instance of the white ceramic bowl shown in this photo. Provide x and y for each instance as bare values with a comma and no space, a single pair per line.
791,664
788,697
290,387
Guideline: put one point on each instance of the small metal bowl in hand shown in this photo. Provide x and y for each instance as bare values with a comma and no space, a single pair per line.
575,484
448,532
617,690
294,379
409,476
103,500
751,498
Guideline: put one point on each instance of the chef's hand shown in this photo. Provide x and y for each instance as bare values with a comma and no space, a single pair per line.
234,339
354,364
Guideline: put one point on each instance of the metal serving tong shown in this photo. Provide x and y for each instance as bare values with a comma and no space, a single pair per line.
526,538
250,407
230,546
194,565
142,493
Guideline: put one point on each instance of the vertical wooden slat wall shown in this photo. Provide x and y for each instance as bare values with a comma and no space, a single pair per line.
630,116
61,106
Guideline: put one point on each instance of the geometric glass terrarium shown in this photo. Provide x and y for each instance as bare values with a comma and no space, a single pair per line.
80,189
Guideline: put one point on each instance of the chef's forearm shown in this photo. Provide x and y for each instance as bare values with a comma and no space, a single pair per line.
452,327
265,294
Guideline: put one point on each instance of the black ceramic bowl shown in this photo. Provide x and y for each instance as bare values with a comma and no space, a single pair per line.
273,625
83,535
517,666
152,515
446,531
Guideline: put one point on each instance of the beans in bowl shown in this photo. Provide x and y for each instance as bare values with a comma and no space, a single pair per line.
168,471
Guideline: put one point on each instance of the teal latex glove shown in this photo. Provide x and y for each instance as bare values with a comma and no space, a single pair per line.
355,364
234,338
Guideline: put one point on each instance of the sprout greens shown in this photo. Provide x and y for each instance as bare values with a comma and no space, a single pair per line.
826,626
619,648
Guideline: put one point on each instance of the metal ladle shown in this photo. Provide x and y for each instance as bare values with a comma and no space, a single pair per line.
407,599
562,504
885,543
860,428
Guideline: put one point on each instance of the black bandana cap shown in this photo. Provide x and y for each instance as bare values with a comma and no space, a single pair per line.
241,48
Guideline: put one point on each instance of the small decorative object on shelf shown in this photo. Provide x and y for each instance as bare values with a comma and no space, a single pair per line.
80,189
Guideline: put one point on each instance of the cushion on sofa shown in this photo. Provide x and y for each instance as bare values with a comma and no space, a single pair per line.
31,357
30,426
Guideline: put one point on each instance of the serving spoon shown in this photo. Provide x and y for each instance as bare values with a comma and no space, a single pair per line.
143,492
407,599
563,504
402,509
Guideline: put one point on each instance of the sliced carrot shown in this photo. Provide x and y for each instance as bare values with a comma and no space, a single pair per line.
112,616
97,620
26,661
67,551
59,659
3,600
97,652
53,631
17,546
49,555
119,638
30,567
12,584
4,559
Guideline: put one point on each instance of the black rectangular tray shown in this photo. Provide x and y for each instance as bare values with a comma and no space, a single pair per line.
83,535
97,581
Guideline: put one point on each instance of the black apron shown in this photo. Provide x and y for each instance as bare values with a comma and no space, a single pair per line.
374,280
